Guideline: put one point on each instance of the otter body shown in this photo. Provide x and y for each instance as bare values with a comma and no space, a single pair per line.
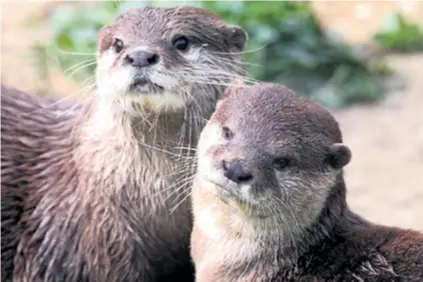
269,199
99,192
73,217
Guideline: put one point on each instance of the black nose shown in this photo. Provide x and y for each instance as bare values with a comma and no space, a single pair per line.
235,172
142,59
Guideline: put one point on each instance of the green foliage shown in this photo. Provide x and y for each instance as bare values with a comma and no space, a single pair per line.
74,31
293,49
286,45
400,35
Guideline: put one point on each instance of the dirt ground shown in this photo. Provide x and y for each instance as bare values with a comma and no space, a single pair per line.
385,177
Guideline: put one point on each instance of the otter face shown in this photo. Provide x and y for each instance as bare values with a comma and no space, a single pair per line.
271,150
160,54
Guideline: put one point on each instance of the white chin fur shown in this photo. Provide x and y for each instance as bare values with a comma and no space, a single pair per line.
245,193
158,102
113,83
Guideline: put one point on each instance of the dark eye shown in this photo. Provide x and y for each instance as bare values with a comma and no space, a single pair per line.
226,132
281,163
181,43
118,45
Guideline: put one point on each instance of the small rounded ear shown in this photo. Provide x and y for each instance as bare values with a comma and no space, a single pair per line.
104,39
237,37
234,85
339,155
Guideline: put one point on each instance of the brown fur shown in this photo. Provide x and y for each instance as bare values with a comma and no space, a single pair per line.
297,225
98,193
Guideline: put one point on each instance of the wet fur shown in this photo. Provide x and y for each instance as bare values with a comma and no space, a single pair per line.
333,244
99,192
103,226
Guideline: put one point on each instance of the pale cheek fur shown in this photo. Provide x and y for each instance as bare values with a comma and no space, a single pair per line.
208,138
166,81
305,200
112,82
193,55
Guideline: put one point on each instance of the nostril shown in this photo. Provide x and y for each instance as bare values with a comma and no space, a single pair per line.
153,59
129,59
235,172
141,59
245,177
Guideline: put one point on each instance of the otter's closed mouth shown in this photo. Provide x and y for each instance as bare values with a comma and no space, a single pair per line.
225,191
143,85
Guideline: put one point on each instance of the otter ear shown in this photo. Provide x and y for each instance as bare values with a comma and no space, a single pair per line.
234,85
104,39
339,155
237,37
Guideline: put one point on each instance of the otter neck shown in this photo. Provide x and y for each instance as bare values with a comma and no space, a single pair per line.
133,121
111,141
281,244
334,218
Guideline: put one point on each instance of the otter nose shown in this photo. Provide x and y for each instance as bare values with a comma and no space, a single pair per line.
142,59
235,172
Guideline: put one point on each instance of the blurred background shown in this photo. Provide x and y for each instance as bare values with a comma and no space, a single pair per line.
362,60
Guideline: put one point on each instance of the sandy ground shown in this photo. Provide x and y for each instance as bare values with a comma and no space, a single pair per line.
385,177
357,21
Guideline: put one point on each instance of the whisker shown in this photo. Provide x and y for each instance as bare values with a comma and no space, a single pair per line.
158,149
186,148
74,53
241,52
213,83
214,75
183,169
181,185
66,97
81,67
180,203
242,63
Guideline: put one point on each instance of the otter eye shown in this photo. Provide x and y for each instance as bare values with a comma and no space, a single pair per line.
181,43
226,132
281,163
118,45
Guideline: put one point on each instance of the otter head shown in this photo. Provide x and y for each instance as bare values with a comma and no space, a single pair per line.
271,155
161,57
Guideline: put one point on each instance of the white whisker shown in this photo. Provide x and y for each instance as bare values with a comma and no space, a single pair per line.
74,53
87,87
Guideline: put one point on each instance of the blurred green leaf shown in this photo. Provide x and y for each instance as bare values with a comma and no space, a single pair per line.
399,35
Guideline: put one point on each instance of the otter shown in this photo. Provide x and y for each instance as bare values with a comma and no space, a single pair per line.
269,198
99,192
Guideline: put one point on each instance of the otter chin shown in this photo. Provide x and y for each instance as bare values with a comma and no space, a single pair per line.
269,198
99,191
